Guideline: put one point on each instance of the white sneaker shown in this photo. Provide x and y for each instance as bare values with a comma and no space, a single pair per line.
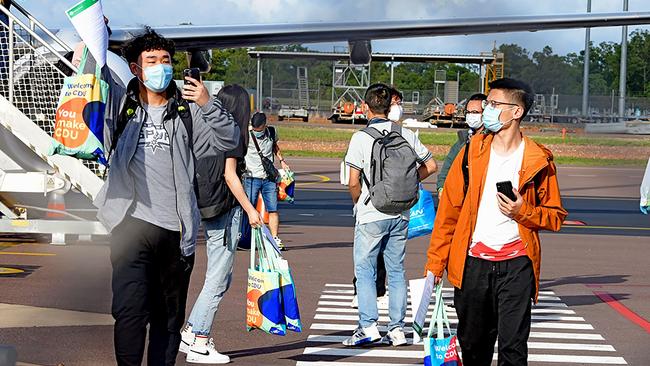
206,354
278,241
187,338
355,302
382,302
395,337
363,336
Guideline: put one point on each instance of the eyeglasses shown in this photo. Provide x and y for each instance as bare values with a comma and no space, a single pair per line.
494,103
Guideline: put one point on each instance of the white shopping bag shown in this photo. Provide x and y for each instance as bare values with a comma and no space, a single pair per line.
344,174
421,290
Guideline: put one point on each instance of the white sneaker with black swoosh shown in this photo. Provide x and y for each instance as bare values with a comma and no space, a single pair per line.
205,354
187,338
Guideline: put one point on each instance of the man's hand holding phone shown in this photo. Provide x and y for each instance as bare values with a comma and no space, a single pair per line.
508,199
193,88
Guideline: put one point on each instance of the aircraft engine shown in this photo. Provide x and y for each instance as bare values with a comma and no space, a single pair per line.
200,59
360,52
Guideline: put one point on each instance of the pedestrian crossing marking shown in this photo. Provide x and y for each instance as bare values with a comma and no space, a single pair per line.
382,353
558,335
531,345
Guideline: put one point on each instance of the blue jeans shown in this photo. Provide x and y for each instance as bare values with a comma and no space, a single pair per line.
222,233
269,189
387,238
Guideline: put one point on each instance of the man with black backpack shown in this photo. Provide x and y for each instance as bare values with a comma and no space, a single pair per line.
387,162
148,201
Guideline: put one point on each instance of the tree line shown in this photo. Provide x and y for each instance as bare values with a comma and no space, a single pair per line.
544,70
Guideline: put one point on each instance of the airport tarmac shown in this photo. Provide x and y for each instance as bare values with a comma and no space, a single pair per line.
594,310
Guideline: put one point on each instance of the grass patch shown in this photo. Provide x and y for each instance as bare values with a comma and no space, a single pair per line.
314,154
314,134
325,134
446,138
593,141
569,160
559,160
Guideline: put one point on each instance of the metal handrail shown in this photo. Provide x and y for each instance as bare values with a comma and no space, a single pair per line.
43,28
32,33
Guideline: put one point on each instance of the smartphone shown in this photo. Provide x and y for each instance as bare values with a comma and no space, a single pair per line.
505,188
193,72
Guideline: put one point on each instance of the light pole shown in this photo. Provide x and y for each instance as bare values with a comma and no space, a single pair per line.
623,73
585,74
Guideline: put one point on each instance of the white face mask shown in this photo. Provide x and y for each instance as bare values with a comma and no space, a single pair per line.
474,120
395,113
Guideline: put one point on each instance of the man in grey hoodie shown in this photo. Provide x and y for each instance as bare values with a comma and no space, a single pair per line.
148,201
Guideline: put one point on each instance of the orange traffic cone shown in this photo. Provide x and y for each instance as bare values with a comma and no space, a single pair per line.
261,208
55,201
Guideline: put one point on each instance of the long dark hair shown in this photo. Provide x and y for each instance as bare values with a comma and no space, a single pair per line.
237,101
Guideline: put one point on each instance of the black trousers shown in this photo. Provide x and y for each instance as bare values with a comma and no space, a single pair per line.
150,282
381,278
495,302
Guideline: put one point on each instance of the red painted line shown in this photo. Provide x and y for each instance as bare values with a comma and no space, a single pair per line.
574,222
601,285
623,310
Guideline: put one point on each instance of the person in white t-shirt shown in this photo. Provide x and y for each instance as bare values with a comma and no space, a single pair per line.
487,237
378,233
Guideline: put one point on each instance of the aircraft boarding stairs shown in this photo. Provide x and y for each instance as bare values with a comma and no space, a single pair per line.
35,187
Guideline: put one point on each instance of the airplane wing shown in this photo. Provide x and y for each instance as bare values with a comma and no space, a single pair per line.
188,37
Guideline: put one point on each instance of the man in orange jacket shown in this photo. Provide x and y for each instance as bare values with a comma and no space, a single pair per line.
488,242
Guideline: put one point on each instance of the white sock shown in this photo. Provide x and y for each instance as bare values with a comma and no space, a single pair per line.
200,341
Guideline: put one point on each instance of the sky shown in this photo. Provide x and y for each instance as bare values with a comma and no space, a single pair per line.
219,12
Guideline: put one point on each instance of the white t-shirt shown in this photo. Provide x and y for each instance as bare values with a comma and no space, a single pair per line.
359,156
254,167
493,228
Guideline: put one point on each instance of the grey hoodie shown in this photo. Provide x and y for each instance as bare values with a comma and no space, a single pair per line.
214,130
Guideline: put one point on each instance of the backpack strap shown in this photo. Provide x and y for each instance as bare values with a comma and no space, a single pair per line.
184,112
129,105
465,167
373,132
272,133
257,145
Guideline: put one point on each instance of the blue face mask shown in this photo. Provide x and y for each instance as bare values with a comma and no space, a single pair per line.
157,77
491,118
259,134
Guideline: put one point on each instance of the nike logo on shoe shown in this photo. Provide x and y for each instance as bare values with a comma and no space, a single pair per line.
206,353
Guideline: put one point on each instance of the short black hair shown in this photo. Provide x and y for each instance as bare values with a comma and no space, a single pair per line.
258,120
519,92
396,93
378,98
150,40
477,96
236,100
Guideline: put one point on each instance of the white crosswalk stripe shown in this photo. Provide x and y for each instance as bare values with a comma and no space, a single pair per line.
558,336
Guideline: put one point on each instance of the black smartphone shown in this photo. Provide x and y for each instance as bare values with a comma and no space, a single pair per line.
505,188
193,72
